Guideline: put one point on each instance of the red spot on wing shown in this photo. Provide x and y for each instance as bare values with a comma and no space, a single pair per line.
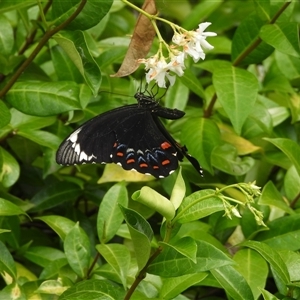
165,145
130,161
165,162
115,145
143,165
155,167
120,154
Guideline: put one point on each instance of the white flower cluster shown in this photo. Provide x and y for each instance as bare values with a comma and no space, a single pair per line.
191,43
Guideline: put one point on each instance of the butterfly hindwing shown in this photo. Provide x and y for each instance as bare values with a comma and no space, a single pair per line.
147,150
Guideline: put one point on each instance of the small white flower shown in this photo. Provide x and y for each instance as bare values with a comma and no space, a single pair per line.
176,64
159,72
194,50
179,39
197,40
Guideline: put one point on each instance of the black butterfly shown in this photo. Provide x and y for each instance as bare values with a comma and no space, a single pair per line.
131,136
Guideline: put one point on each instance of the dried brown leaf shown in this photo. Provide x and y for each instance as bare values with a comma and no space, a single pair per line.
141,41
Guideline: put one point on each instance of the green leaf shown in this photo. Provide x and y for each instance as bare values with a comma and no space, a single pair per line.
198,205
263,9
41,137
44,98
20,121
9,209
7,264
193,83
172,287
233,283
202,136
244,37
9,169
118,257
141,234
253,268
64,66
154,200
61,225
74,44
271,196
54,194
283,233
225,159
288,65
177,96
237,92
283,36
272,257
268,296
178,191
292,183
43,256
91,15
78,250
170,263
185,246
290,148
5,114
6,36
110,216
93,289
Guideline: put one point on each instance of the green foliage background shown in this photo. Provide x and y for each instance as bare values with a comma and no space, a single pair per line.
94,231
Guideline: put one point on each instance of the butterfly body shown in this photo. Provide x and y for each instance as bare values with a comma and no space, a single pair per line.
131,136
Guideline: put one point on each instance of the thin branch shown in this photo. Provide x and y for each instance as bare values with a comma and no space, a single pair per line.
38,48
31,37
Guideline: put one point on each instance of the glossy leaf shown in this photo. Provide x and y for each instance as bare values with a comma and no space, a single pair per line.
44,98
283,37
78,250
60,225
233,282
171,263
93,289
272,257
185,246
109,215
271,196
7,39
91,14
201,136
141,234
198,205
283,233
178,191
4,114
290,148
118,257
253,268
9,209
75,45
9,168
172,287
7,263
237,92
225,159
52,195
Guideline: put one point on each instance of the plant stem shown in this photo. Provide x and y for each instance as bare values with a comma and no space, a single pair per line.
38,48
